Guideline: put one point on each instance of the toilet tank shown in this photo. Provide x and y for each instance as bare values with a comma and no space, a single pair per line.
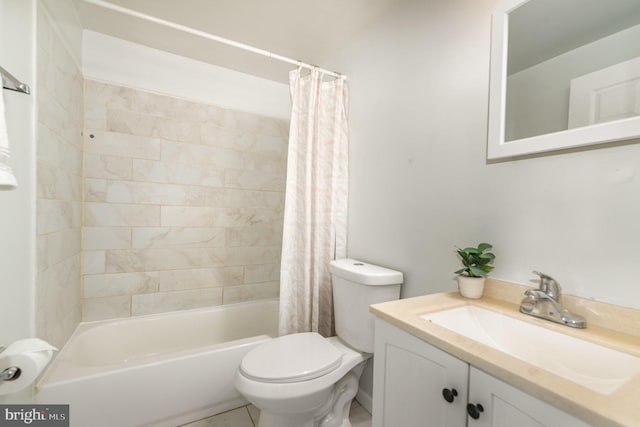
357,285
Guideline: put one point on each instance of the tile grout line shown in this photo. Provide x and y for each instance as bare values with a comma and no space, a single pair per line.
246,408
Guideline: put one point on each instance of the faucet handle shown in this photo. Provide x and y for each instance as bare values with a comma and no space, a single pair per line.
549,286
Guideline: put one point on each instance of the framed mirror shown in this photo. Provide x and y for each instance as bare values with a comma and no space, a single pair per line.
564,74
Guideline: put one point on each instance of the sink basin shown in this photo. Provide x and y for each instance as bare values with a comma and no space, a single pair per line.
598,368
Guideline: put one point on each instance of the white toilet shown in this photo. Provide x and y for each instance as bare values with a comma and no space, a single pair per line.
305,380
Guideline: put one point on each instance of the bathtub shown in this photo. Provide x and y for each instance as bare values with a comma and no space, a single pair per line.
157,370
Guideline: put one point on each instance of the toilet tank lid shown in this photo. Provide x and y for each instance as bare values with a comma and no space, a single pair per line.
364,273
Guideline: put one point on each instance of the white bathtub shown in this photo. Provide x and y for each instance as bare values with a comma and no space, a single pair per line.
158,370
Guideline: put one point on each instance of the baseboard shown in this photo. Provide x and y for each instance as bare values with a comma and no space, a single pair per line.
364,399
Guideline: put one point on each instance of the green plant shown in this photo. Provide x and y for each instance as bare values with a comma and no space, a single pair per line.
476,260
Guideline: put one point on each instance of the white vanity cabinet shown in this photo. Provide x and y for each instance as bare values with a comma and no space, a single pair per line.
506,406
414,380
408,378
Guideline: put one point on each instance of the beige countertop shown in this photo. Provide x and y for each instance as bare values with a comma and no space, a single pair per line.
608,325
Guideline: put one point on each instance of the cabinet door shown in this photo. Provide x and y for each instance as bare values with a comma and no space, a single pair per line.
409,378
506,406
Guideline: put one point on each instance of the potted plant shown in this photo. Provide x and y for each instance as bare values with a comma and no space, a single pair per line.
476,262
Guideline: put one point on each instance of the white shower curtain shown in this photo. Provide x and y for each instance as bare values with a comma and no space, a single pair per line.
315,213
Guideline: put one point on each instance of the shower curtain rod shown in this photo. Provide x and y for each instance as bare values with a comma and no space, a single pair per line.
203,34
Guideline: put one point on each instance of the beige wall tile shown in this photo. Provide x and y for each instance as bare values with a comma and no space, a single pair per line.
105,166
116,215
168,237
216,115
217,136
42,251
120,261
179,129
59,119
122,145
212,157
262,273
256,124
56,183
153,193
45,36
252,255
167,128
239,198
108,96
254,179
58,300
266,162
200,278
106,285
54,215
106,308
95,117
96,238
95,190
181,216
55,151
131,123
62,245
179,300
272,144
165,106
233,294
93,262
59,188
255,235
176,173
214,257
181,199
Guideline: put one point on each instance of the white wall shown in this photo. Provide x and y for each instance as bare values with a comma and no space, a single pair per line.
17,207
116,61
421,185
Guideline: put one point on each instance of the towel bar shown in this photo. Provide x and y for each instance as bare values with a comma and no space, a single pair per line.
11,83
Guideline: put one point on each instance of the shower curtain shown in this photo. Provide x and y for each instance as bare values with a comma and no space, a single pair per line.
315,213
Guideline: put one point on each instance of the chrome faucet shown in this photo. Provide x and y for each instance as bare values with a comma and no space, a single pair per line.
545,303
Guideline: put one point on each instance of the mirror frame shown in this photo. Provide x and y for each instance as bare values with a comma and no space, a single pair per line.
497,147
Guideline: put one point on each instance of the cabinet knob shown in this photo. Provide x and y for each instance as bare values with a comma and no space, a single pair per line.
474,410
449,395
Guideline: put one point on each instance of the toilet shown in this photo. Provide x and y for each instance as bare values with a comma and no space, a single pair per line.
306,380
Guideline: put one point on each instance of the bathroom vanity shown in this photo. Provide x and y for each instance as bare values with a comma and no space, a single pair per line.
430,368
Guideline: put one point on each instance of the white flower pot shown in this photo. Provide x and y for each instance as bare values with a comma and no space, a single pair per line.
471,287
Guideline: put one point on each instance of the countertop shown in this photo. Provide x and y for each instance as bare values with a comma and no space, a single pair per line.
608,325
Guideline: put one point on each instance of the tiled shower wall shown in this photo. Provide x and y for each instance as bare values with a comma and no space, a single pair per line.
59,185
183,203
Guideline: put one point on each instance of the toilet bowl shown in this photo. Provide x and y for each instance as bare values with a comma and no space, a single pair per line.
306,380
308,395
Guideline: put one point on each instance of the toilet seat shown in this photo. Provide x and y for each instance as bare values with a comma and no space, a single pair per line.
291,358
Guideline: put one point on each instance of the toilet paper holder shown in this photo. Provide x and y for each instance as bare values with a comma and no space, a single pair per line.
11,373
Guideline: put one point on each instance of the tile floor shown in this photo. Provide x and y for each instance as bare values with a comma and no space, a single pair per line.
247,416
